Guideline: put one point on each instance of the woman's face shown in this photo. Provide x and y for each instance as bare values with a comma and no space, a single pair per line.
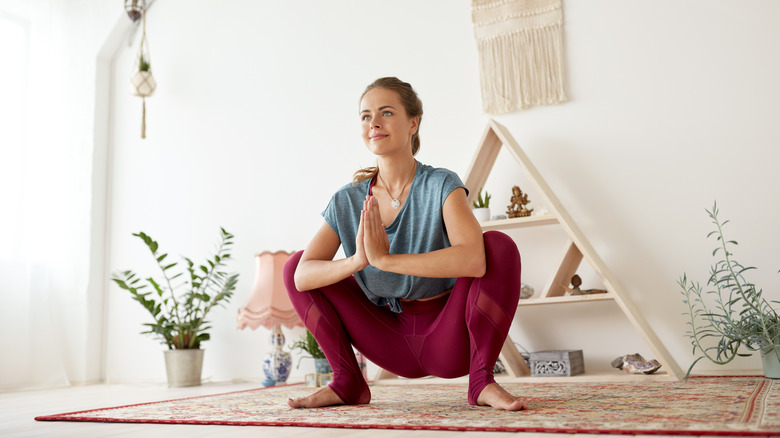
387,129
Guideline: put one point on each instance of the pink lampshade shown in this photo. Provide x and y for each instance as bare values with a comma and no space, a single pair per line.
268,304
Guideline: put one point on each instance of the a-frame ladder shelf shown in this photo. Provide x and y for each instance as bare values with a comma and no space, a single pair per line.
577,249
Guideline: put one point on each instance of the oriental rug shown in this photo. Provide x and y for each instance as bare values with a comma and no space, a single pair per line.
737,406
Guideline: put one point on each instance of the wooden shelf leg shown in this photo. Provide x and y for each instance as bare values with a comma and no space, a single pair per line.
570,261
513,360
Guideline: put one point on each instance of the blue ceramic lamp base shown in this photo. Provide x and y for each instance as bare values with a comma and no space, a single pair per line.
277,363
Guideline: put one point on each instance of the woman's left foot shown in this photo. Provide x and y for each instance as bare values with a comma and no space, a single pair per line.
497,397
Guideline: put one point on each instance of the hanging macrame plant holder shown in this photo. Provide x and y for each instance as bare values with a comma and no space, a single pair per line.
142,81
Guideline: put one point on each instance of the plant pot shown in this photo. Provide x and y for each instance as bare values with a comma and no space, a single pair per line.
183,367
771,362
321,366
482,214
142,84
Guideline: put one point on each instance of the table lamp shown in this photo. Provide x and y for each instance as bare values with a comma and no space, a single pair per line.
270,307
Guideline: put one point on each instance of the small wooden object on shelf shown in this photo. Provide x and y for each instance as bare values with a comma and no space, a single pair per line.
576,282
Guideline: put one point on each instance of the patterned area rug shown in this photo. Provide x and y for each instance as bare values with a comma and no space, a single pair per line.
746,406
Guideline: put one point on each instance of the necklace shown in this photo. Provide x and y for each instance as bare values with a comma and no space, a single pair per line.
395,203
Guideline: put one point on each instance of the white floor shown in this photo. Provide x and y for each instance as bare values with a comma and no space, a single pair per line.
18,409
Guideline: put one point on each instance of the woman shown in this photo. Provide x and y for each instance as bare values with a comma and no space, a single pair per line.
421,290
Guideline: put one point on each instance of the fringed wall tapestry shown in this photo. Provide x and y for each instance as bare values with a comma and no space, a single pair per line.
520,44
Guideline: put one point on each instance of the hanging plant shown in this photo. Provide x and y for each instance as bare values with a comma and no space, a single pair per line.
143,64
142,81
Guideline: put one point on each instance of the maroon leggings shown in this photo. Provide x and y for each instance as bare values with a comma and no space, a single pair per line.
458,334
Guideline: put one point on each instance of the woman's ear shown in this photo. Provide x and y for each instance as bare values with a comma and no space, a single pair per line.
415,125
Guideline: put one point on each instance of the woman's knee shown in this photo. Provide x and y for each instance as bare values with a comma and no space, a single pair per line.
500,248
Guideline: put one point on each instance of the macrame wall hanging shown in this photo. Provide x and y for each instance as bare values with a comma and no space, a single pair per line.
520,45
142,82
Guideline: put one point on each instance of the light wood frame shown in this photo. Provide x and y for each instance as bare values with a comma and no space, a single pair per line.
578,248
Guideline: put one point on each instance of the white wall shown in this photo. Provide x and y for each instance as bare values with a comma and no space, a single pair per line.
253,126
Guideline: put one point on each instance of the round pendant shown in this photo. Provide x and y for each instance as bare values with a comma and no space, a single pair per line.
395,203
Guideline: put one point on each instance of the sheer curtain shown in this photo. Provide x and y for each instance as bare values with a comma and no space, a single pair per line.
44,196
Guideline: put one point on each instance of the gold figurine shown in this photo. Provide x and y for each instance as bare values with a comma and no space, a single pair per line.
518,201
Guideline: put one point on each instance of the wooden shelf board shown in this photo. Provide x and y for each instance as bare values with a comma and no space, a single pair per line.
566,299
519,222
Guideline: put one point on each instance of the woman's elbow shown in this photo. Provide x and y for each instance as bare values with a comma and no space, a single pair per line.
478,265
299,279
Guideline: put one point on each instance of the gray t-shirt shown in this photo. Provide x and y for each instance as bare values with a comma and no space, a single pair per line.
418,228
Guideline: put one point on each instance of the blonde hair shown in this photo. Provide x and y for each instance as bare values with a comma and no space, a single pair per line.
414,108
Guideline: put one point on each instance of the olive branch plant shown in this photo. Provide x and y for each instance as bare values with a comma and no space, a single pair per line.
731,312
180,317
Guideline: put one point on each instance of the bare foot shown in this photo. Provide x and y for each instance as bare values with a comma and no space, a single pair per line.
496,396
323,397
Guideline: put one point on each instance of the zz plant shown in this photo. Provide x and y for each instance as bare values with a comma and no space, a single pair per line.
729,312
179,303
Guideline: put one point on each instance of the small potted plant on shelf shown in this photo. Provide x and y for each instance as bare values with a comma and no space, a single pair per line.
179,316
732,312
482,207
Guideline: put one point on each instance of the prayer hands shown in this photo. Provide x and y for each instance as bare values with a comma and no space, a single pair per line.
360,254
372,241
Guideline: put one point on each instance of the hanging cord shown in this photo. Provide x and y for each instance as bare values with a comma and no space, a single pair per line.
143,31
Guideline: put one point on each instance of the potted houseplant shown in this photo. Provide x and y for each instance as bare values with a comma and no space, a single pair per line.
179,305
482,207
731,316
309,345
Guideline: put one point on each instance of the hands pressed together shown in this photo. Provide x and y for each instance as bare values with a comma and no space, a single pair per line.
371,243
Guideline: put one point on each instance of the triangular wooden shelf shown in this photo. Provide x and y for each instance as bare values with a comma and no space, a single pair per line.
578,248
